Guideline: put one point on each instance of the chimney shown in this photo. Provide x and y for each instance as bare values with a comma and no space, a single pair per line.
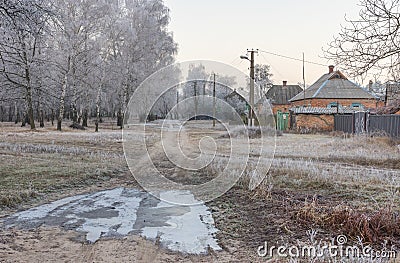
370,84
284,83
331,68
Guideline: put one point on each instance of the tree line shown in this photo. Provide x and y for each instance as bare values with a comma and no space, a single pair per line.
78,59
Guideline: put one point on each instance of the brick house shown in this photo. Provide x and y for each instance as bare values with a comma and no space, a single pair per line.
333,90
279,96
331,94
315,119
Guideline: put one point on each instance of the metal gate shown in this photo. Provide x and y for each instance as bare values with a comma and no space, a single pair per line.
282,121
362,122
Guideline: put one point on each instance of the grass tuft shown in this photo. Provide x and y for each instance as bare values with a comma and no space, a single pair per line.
251,132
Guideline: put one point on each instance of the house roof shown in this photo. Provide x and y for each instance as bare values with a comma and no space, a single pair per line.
334,85
235,94
318,110
280,94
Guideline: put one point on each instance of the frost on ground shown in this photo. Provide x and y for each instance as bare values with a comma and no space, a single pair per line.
309,179
118,212
251,132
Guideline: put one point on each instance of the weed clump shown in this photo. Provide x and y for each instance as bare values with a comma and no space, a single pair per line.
12,200
251,132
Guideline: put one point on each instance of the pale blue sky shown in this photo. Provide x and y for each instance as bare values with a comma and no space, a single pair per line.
222,30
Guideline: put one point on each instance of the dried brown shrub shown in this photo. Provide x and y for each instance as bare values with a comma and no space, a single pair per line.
373,227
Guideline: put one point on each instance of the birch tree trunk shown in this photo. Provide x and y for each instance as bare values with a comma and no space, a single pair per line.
30,106
23,123
74,93
62,97
85,118
98,101
28,91
52,117
16,112
40,109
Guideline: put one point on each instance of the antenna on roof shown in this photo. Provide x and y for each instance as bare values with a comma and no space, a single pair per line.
304,81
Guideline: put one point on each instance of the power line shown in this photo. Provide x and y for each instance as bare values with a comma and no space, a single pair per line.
374,75
275,69
235,60
296,59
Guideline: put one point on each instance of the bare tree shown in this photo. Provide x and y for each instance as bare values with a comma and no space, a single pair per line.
370,43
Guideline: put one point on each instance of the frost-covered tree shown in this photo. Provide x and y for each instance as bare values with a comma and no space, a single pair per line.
22,30
238,103
262,76
196,79
170,98
224,86
75,54
79,59
138,44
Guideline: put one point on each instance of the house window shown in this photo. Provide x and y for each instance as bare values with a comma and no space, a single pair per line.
333,105
357,105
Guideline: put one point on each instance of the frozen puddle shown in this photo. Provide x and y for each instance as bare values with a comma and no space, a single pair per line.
118,212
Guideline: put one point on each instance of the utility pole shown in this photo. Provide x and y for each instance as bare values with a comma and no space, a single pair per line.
252,86
195,99
214,102
177,105
251,99
204,92
304,82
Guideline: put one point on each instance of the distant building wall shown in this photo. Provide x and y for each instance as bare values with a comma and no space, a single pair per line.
280,107
311,122
392,93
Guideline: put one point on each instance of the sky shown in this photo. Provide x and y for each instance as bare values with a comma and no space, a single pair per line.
222,30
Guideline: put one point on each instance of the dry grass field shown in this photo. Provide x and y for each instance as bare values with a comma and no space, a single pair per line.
37,165
322,184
